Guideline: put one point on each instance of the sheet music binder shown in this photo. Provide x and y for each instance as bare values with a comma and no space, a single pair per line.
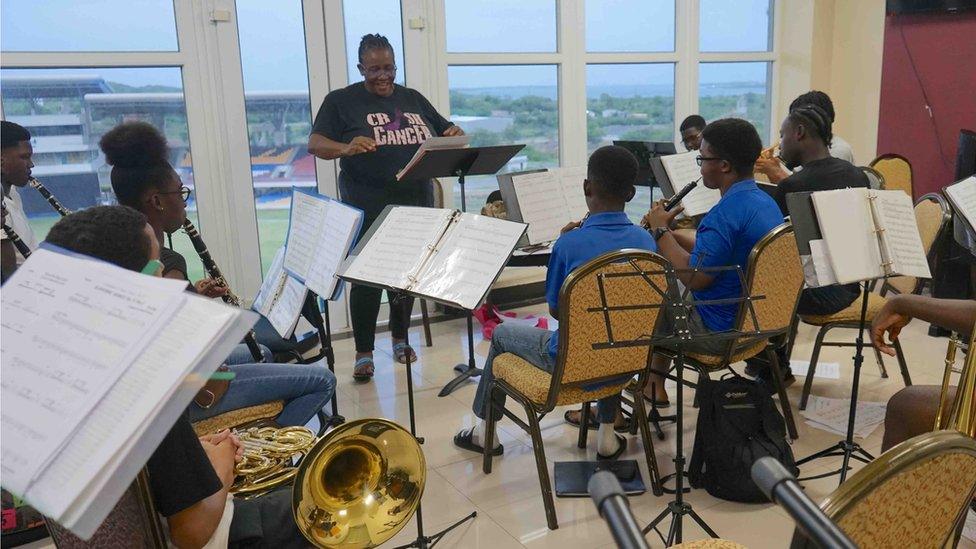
425,259
461,161
507,186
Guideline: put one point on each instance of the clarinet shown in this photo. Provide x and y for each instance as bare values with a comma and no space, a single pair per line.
214,272
48,196
15,238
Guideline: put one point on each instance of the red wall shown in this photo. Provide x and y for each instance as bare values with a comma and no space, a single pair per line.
944,49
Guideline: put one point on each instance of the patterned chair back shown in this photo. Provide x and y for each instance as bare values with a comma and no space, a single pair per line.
913,495
775,274
133,523
633,284
897,172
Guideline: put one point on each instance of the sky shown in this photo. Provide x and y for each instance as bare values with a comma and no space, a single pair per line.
273,50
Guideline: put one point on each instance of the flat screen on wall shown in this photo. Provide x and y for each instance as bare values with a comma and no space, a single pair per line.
929,6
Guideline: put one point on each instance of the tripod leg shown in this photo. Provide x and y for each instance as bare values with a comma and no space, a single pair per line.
880,360
701,523
640,414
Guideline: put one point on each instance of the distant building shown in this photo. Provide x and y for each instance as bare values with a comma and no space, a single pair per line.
492,124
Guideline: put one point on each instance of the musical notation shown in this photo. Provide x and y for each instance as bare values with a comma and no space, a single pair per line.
902,245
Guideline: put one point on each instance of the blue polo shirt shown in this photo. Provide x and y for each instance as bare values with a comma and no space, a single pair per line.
599,234
726,236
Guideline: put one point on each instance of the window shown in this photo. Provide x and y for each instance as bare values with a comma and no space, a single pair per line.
506,104
108,25
279,118
88,103
629,25
739,90
744,25
374,17
500,25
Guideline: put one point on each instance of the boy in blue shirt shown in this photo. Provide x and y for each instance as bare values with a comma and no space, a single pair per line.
725,236
609,185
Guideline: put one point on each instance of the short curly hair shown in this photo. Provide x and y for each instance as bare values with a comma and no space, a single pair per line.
735,141
115,234
138,155
613,170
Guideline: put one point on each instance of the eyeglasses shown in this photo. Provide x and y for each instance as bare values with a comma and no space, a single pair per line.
184,192
377,71
701,159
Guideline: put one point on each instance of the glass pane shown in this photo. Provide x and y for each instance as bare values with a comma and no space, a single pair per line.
103,25
633,102
743,25
623,25
373,17
500,25
68,110
278,114
523,110
738,90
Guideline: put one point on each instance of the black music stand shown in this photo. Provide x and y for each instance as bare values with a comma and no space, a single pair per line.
461,163
320,308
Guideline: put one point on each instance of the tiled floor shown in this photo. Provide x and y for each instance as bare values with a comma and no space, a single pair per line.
508,503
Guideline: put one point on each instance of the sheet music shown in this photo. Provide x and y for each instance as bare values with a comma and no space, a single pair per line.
281,297
340,227
304,229
821,264
895,219
435,143
963,196
73,336
683,169
571,180
847,225
832,415
469,259
399,246
543,204
129,405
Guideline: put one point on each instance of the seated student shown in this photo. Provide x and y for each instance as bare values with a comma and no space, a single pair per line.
839,148
609,185
15,172
725,236
912,410
189,477
143,179
691,132
804,137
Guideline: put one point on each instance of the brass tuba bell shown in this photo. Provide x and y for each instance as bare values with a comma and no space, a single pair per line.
359,484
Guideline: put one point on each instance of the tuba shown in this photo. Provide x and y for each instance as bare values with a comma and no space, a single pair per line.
355,487
960,414
33,182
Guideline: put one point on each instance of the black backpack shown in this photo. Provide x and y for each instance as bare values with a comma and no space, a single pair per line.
737,424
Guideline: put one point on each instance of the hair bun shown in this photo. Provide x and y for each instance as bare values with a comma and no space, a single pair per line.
134,144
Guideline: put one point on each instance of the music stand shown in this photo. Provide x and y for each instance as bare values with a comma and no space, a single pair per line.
320,308
461,163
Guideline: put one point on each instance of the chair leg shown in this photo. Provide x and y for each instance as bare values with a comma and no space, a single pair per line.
489,429
542,466
794,327
880,360
784,400
640,416
902,365
812,369
584,425
425,316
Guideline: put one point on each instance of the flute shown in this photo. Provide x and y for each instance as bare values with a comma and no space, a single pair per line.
33,182
768,153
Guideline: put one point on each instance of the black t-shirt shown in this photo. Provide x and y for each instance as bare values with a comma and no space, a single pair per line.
172,261
180,473
398,123
826,174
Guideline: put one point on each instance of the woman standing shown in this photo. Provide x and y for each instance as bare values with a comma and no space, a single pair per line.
374,127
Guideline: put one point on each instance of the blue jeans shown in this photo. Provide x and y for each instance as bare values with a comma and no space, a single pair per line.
532,345
242,355
305,388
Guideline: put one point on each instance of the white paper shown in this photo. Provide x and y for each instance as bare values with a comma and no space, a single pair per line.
571,180
542,201
831,415
399,246
963,195
821,264
281,297
902,244
304,230
435,143
847,226
682,169
825,370
469,259
969,529
70,328
319,237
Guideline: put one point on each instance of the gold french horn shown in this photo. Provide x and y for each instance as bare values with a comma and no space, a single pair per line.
960,413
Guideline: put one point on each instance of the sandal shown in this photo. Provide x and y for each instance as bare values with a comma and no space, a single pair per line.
400,351
463,441
593,424
621,448
363,369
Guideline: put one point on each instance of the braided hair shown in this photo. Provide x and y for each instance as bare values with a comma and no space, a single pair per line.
138,155
815,118
373,42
